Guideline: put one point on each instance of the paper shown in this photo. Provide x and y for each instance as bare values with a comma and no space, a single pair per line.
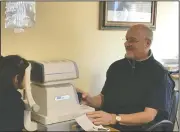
87,125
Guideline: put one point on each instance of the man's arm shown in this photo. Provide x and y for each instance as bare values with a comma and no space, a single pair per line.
95,101
139,118
103,118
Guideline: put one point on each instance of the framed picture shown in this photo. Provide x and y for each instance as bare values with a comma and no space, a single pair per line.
121,15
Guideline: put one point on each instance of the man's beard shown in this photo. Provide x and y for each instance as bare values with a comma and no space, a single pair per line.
129,56
129,52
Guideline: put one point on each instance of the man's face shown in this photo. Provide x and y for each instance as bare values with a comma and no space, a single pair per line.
136,43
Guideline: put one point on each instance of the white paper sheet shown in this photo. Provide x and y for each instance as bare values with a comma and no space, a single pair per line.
87,125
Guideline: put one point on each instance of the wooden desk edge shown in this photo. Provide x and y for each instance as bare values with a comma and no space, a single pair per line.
112,129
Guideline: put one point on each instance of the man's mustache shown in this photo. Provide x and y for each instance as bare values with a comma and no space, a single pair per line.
130,47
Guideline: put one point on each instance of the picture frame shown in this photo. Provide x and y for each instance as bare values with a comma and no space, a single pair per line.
119,15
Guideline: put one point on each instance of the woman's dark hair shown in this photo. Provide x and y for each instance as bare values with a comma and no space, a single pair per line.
10,66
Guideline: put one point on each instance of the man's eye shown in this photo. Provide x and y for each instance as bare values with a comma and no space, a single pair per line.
132,40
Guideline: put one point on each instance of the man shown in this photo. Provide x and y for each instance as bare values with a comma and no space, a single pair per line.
137,88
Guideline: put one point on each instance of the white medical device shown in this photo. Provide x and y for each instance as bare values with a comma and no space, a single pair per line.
52,100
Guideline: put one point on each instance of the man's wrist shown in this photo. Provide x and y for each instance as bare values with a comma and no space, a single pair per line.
118,118
113,120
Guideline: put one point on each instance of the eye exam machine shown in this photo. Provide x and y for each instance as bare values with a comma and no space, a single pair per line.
51,99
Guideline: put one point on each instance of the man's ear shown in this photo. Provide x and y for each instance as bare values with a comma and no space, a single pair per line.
148,43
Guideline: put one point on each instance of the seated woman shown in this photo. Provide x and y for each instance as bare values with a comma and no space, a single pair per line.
12,72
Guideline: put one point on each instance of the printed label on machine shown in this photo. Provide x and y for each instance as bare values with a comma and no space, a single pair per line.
57,98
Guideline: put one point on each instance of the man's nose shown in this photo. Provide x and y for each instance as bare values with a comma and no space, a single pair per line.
127,44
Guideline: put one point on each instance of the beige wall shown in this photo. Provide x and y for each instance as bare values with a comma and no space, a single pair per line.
69,30
166,36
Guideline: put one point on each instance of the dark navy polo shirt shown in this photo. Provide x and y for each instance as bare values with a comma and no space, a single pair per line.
131,86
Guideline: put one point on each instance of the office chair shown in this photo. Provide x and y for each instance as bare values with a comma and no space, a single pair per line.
168,125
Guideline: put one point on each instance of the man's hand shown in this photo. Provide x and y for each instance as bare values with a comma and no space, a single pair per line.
94,101
86,99
101,118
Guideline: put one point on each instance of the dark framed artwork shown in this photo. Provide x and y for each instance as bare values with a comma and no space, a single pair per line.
116,15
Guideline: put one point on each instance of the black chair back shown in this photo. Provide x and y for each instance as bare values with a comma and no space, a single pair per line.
168,125
174,109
